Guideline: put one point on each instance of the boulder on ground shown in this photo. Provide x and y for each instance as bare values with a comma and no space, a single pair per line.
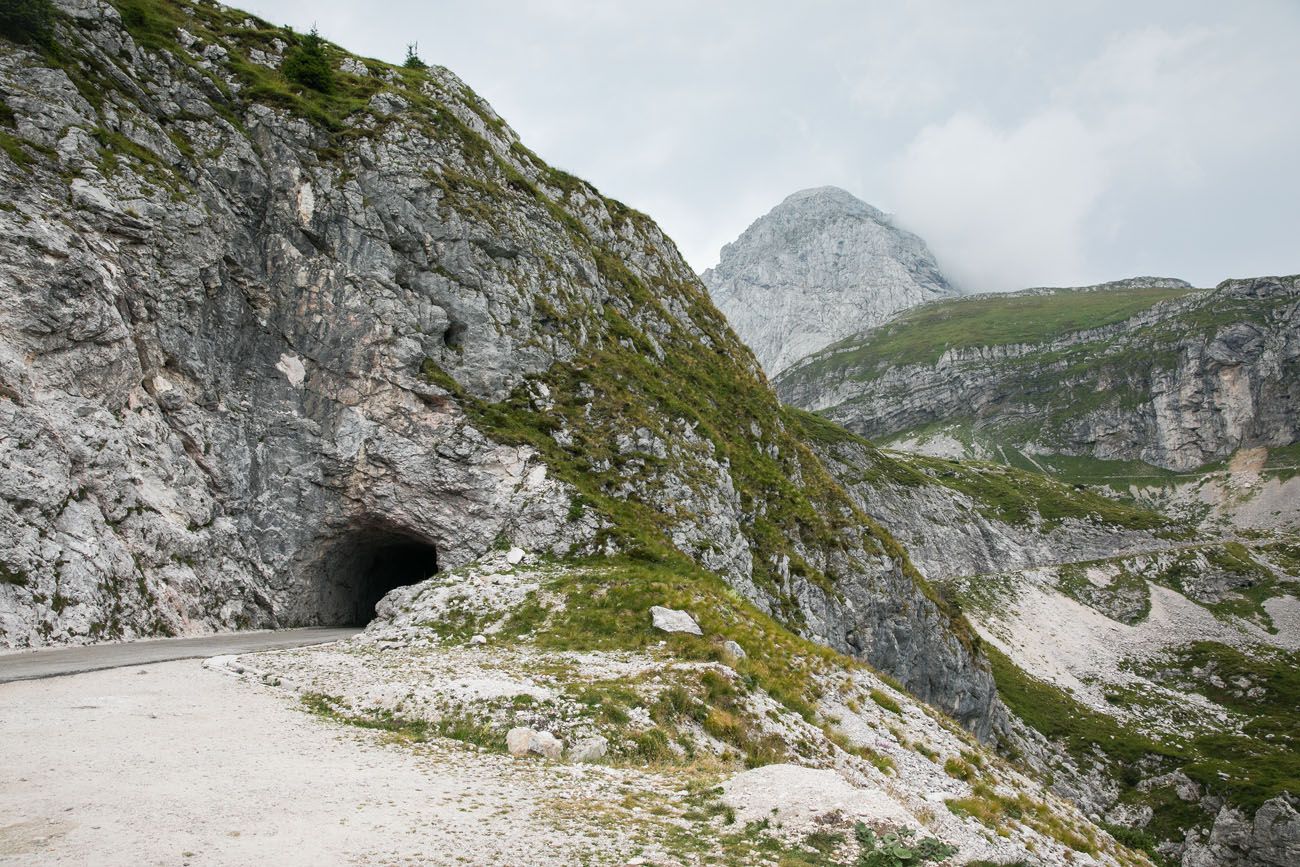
590,749
672,620
521,741
515,556
517,740
733,649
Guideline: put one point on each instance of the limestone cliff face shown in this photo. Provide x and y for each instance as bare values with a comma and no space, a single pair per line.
263,350
1177,384
820,266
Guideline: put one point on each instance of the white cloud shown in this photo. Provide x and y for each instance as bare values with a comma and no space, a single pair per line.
1003,209
1029,142
1065,193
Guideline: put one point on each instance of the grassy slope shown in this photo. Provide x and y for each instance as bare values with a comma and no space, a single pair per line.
1046,390
1007,494
1259,760
1247,765
1247,761
922,335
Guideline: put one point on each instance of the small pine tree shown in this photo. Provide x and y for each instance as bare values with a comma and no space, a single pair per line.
27,21
413,60
307,65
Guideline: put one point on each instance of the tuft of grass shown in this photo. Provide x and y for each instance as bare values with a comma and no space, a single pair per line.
10,575
465,728
959,769
998,811
886,701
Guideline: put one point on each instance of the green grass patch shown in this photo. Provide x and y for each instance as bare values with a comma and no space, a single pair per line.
922,335
29,22
462,727
886,701
998,811
607,606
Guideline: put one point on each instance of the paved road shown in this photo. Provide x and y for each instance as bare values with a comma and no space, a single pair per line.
95,657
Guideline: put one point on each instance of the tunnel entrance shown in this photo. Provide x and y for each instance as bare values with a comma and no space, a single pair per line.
364,566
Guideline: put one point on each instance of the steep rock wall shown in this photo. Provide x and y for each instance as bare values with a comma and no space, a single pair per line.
256,338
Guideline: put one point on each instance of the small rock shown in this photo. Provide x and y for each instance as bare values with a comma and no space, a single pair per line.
478,639
521,741
518,739
733,649
353,66
672,620
546,744
514,556
590,749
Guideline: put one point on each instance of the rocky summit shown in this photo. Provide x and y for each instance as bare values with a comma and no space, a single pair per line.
818,267
293,337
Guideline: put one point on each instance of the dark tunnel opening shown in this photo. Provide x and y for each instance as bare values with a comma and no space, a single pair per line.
362,568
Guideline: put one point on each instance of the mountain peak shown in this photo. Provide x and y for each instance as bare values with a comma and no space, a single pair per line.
830,198
818,267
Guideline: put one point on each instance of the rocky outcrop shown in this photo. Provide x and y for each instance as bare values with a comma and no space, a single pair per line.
266,353
947,533
1270,839
1179,384
818,267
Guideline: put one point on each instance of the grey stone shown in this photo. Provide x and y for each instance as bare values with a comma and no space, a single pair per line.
518,740
733,649
1270,839
591,749
672,620
521,741
546,744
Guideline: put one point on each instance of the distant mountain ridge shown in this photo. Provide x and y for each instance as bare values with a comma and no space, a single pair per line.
817,268
1147,370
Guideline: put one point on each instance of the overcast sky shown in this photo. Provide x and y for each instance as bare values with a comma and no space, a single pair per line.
1028,143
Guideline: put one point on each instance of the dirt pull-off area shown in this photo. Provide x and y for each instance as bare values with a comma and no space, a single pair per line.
176,764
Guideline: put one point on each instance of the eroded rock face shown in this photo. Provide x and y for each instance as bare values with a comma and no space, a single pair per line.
946,534
818,267
212,401
1270,839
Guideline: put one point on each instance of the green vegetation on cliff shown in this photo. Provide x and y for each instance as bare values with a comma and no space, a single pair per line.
923,334
1007,494
1252,758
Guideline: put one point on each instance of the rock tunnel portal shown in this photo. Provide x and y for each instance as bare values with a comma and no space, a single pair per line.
362,567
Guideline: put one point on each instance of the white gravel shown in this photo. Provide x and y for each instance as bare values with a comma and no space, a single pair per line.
175,764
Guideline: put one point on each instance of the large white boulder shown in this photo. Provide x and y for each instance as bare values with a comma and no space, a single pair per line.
672,620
